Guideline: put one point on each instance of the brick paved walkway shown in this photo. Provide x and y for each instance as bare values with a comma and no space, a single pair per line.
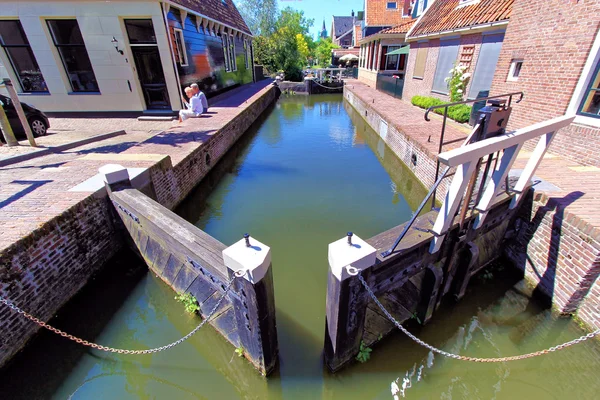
410,119
35,191
579,186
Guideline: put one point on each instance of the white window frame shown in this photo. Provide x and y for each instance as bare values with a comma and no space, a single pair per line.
181,49
513,67
225,45
233,63
420,7
397,61
387,5
587,74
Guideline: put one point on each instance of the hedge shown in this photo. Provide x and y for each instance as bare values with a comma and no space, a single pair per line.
460,113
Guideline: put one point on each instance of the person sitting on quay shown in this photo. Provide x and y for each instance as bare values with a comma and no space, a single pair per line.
194,107
198,93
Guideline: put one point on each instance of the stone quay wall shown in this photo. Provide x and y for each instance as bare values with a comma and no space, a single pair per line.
405,148
43,270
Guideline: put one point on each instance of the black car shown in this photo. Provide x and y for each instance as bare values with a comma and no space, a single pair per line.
38,121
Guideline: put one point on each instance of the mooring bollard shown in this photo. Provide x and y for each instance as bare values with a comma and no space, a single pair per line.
254,304
346,298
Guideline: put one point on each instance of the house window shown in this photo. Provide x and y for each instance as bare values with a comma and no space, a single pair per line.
391,5
420,7
489,52
180,45
590,106
225,44
515,70
247,53
446,59
419,70
69,43
391,61
140,31
232,60
17,48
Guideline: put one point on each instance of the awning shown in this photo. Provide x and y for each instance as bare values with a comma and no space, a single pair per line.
401,50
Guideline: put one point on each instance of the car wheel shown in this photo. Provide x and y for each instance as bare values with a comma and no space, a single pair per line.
38,127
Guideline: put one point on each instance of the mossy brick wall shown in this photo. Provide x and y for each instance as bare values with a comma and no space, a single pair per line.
402,145
42,271
560,254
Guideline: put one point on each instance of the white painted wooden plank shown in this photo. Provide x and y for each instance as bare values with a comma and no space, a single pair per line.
534,161
482,148
495,184
451,202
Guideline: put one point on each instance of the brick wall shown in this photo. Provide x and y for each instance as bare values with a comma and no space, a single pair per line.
377,13
560,254
46,268
553,38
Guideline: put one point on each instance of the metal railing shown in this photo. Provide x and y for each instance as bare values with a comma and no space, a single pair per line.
390,85
445,107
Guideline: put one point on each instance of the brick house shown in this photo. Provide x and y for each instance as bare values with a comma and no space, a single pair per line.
383,14
551,52
136,55
375,58
469,32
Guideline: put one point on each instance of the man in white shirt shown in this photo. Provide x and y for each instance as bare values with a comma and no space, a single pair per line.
200,95
194,107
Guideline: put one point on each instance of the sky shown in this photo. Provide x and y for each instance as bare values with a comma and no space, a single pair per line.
319,9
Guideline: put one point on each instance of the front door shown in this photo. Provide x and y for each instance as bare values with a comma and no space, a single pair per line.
151,76
142,40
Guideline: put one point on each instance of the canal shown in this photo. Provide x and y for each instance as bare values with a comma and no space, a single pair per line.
309,171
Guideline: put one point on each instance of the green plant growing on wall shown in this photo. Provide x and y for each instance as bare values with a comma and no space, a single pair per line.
189,302
415,317
239,351
457,82
364,353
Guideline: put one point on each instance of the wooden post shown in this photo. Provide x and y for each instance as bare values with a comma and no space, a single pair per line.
19,109
254,302
7,131
347,299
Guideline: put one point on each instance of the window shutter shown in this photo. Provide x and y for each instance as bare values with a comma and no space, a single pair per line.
419,71
174,45
446,60
481,80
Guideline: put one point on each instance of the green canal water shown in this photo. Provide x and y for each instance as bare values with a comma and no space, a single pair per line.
309,171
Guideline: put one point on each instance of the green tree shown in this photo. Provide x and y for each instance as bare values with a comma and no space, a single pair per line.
323,51
260,15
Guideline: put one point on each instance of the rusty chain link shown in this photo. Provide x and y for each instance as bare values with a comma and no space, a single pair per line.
467,358
112,349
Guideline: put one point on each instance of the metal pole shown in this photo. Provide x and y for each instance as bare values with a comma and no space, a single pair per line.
437,168
19,109
7,131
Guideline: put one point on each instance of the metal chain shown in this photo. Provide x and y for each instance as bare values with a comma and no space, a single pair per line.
112,349
466,358
327,87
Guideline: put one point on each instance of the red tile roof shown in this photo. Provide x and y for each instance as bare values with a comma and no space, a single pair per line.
402,28
443,15
227,13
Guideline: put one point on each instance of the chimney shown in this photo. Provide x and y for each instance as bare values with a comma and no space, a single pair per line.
353,13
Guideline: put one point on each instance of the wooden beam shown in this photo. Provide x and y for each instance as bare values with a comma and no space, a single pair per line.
494,186
485,147
453,198
534,161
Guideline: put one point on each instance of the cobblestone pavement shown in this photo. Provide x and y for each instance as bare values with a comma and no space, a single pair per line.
579,186
32,192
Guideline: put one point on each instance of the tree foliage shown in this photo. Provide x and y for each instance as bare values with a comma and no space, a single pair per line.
323,51
282,41
260,15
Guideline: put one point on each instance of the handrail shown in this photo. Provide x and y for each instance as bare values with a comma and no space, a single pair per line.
510,95
416,214
445,107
